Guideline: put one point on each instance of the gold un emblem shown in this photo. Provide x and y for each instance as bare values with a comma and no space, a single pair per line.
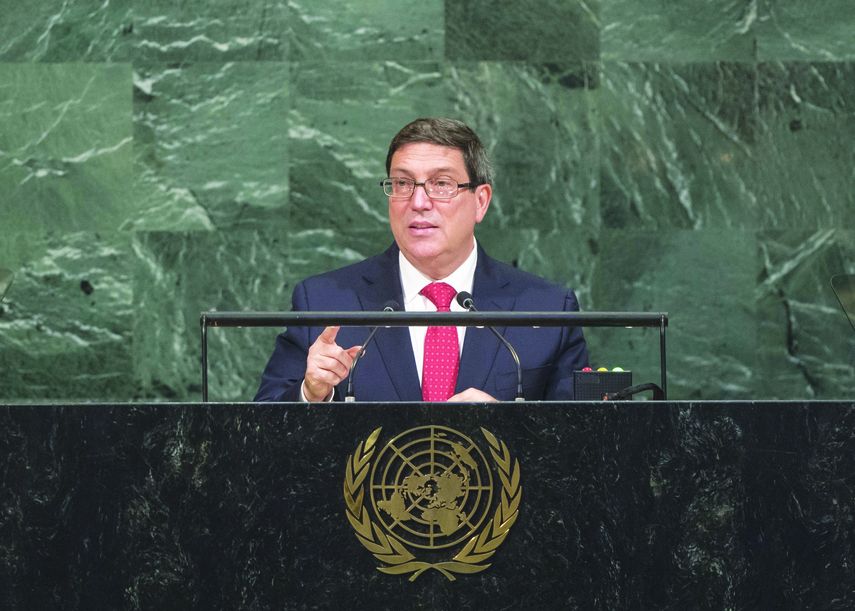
426,500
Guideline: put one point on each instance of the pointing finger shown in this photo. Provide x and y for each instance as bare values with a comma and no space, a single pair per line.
328,335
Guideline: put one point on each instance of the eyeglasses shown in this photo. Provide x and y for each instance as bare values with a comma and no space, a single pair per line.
436,188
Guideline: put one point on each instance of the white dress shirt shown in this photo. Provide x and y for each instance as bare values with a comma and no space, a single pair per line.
413,281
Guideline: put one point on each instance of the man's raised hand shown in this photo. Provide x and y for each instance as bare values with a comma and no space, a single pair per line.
327,365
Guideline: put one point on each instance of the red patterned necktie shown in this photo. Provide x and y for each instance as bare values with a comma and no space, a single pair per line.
442,352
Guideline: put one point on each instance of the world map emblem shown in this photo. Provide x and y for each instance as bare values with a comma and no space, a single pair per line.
428,499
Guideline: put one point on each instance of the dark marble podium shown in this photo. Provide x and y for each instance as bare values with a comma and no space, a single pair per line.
624,506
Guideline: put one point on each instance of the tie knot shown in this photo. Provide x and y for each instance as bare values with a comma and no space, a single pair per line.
440,295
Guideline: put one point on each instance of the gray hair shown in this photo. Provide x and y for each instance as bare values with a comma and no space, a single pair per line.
446,132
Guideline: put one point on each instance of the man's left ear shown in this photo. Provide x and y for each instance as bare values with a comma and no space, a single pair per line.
483,194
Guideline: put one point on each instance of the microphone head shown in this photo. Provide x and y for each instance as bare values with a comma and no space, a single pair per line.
391,306
465,301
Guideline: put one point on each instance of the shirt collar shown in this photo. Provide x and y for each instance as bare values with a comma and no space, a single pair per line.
413,281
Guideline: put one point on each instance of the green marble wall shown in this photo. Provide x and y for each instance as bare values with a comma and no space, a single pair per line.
160,158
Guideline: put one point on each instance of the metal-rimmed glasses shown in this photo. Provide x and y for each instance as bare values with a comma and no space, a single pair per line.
440,187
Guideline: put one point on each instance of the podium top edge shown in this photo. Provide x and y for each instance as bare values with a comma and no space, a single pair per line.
462,319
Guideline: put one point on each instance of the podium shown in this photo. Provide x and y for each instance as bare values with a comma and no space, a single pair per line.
634,505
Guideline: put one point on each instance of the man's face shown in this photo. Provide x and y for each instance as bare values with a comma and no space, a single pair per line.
435,235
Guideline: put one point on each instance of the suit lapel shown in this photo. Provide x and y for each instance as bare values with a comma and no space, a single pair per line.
480,346
383,283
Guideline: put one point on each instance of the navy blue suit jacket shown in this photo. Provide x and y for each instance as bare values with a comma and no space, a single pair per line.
387,371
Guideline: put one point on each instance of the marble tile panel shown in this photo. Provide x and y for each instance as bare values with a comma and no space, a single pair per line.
65,146
210,146
542,31
343,117
813,31
210,31
539,123
568,259
340,30
315,251
182,274
678,145
70,31
805,153
65,324
807,346
705,281
685,31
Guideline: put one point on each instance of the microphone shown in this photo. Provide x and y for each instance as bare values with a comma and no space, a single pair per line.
465,301
389,306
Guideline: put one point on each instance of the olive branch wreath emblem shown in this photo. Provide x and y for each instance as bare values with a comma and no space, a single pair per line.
397,559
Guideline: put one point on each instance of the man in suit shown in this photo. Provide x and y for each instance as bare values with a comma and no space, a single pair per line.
439,187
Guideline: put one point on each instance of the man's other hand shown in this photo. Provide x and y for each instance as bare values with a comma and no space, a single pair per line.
327,365
472,395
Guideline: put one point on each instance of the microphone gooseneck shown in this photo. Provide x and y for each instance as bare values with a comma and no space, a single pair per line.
465,301
389,306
